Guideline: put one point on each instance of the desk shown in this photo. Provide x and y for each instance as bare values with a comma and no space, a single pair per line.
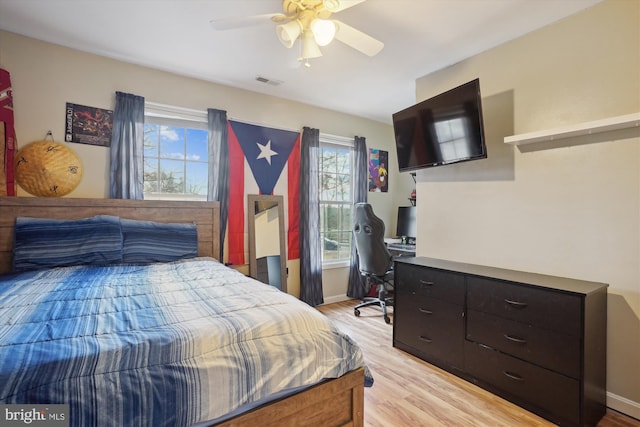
401,250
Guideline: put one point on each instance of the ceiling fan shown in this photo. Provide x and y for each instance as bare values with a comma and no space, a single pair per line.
308,20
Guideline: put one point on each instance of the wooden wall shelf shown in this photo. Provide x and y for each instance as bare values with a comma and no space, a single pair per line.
586,128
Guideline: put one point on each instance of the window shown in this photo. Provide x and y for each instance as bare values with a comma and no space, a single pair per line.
175,157
336,199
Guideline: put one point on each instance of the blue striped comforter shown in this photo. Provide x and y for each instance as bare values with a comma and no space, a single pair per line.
165,344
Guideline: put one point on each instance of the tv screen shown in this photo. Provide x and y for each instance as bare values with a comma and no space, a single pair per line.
445,129
407,225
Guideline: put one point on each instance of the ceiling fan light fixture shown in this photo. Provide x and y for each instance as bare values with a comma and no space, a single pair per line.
331,5
310,48
324,30
288,33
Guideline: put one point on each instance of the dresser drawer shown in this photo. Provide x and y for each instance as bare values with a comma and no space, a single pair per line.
416,280
432,326
540,307
542,347
550,391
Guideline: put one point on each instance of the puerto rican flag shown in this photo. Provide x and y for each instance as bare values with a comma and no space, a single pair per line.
262,160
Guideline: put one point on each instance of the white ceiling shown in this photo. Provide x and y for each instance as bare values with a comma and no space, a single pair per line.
420,36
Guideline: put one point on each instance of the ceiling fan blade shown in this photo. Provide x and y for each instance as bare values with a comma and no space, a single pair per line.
357,39
245,21
341,4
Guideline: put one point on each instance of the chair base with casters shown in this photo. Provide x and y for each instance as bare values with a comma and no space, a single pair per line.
381,300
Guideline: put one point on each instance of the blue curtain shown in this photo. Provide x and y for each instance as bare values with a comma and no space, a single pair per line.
357,287
310,248
218,188
127,142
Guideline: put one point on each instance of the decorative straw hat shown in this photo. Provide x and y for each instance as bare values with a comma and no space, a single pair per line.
47,169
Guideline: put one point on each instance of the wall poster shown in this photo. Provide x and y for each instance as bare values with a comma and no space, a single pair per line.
378,176
88,125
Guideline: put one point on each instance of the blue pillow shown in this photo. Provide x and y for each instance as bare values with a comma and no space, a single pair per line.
48,243
148,241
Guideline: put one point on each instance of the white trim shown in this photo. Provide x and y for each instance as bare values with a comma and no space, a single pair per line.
624,405
337,140
154,109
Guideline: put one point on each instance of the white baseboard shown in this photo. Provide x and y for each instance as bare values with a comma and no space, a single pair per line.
624,405
336,298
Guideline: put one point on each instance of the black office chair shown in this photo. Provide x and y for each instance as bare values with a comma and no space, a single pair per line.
376,263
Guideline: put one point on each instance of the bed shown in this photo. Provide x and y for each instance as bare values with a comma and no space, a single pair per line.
159,343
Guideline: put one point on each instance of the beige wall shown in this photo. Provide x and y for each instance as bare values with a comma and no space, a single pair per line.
568,208
45,77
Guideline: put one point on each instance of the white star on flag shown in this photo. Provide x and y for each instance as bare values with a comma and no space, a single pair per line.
266,152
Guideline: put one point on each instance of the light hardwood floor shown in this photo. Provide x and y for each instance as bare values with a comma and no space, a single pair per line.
410,392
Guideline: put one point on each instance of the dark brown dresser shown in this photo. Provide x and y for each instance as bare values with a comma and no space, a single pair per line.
538,341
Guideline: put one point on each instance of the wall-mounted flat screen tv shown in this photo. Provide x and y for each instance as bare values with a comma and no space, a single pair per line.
445,129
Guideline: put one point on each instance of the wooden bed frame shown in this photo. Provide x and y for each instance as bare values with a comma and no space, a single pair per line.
337,402
206,215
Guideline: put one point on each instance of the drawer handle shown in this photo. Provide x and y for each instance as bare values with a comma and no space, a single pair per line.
513,376
516,304
425,339
425,311
515,339
426,282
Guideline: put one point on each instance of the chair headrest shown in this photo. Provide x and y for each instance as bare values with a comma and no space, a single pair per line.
368,232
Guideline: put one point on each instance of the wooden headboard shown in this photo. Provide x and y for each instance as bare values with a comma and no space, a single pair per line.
206,215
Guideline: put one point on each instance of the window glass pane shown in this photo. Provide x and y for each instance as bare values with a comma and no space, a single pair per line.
330,248
343,161
175,159
197,177
151,140
328,187
171,176
328,160
343,188
345,245
197,145
171,142
323,215
346,219
333,218
150,176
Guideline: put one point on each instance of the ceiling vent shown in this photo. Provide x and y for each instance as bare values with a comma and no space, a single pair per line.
271,82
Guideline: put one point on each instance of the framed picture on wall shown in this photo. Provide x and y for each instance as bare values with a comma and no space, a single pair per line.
88,125
378,176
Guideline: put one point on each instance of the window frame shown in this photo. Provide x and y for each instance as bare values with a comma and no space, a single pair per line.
327,140
169,115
